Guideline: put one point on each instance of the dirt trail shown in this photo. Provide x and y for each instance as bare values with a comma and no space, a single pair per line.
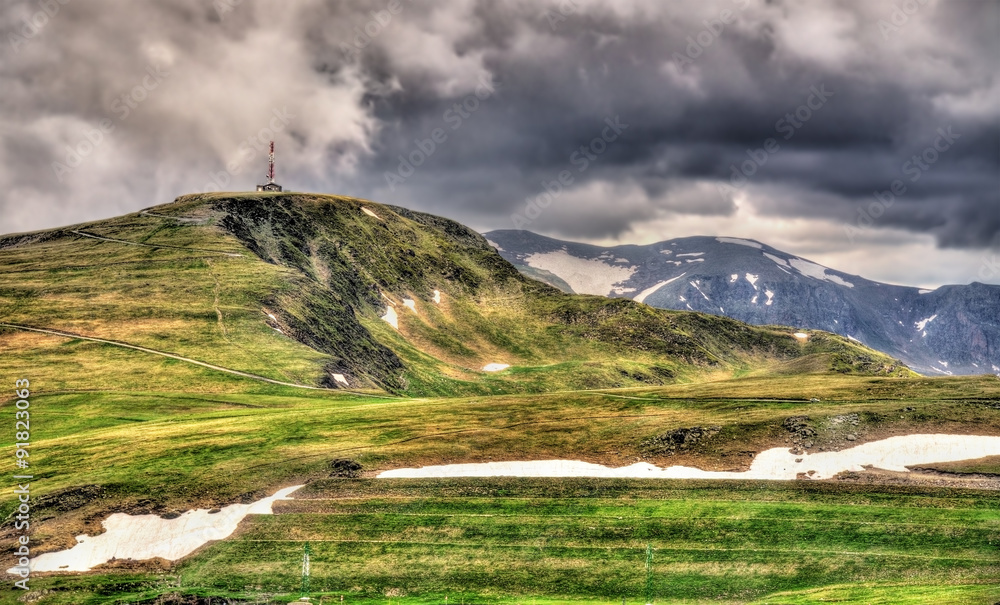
164,354
122,241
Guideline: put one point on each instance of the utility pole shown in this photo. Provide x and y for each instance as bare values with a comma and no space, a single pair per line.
649,574
305,571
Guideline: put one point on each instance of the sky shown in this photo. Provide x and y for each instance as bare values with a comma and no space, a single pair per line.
861,134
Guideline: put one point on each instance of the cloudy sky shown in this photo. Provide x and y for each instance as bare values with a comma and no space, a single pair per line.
776,120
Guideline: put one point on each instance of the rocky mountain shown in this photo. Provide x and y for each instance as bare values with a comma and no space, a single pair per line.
948,331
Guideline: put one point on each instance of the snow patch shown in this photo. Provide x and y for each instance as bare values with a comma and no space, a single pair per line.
142,537
770,297
410,304
666,251
738,241
750,277
753,300
621,260
584,276
853,338
692,254
694,260
777,260
437,296
641,297
495,245
815,271
926,291
370,213
273,318
996,369
780,464
695,286
923,322
733,278
944,364
495,367
801,335
391,317
340,378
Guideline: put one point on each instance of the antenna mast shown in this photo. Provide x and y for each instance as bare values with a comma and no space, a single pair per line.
270,185
270,164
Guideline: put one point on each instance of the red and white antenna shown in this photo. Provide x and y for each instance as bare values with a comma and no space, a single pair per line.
270,164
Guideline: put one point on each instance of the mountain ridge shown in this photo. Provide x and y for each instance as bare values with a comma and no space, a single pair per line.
953,329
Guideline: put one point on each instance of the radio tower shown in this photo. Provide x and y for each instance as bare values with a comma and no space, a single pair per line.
270,164
270,185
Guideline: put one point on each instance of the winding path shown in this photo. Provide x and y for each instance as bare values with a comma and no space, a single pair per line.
165,354
123,241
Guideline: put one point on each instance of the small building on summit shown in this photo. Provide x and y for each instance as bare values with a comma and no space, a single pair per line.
270,185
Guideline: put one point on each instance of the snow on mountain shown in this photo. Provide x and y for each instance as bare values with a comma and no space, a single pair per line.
585,276
758,284
739,242
641,297
813,270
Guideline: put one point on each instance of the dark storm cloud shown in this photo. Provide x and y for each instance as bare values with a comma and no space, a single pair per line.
521,91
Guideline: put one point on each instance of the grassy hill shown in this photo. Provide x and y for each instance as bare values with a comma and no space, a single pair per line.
292,287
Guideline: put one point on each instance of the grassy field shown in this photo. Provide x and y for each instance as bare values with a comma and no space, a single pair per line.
145,452
576,540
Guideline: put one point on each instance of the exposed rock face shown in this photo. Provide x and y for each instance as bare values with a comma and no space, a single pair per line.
677,440
345,468
951,330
